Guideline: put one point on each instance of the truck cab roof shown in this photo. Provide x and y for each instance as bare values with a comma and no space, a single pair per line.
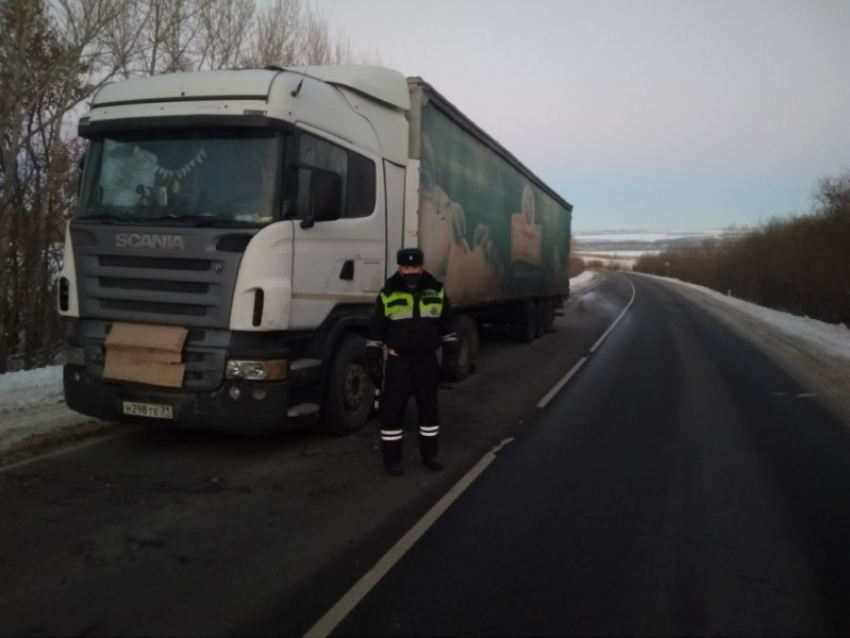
378,83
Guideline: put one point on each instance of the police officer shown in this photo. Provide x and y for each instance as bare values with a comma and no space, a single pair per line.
412,319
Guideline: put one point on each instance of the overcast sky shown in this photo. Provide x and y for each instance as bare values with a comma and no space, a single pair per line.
643,114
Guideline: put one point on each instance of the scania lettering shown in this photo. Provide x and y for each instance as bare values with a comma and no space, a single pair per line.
164,242
258,212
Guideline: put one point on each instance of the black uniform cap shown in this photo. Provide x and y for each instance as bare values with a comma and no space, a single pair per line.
410,257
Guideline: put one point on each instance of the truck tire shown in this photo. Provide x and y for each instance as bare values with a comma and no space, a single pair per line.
467,336
540,326
550,315
524,323
349,393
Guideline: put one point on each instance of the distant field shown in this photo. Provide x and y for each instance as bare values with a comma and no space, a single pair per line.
647,236
622,248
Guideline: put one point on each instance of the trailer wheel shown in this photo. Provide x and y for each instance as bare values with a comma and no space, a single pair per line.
467,336
550,315
540,326
524,322
349,392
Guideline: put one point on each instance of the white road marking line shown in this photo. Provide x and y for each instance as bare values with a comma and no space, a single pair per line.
561,383
336,614
614,325
551,394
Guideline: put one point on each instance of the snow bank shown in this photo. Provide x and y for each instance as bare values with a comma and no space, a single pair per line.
30,388
584,280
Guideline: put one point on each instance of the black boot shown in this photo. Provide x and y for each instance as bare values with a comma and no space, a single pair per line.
429,448
392,452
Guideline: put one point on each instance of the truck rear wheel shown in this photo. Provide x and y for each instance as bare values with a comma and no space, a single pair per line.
550,315
524,322
467,336
349,393
540,326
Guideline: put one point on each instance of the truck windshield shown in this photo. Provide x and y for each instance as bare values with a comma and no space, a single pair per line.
220,176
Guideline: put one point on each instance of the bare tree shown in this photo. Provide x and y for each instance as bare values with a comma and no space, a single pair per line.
224,33
291,33
317,49
277,37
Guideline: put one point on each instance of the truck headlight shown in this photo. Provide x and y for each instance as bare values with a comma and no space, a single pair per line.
256,370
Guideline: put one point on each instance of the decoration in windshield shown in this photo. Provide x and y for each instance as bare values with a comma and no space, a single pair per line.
194,179
180,173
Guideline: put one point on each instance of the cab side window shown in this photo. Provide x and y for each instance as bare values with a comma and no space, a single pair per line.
357,173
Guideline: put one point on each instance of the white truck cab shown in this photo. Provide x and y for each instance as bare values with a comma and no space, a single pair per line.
196,209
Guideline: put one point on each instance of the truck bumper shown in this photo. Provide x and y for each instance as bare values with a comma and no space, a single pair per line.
213,411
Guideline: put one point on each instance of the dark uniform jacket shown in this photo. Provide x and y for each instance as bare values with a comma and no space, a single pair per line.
412,322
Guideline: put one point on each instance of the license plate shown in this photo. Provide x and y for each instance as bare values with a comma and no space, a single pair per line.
150,410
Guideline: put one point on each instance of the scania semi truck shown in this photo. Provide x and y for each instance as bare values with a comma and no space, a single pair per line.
235,228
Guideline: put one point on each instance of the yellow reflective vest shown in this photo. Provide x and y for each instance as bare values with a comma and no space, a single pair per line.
412,322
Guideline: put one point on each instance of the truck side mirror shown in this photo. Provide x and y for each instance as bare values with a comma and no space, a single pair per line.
325,203
81,163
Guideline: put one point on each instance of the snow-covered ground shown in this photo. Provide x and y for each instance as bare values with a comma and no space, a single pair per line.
33,412
582,282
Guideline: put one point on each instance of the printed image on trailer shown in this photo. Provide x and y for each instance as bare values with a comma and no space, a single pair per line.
487,231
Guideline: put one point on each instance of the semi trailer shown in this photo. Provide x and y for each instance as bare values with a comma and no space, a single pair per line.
235,227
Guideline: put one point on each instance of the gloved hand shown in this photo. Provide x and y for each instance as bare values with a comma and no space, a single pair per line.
375,365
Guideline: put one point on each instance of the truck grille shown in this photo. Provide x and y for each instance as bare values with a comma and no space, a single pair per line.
191,287
183,310
161,263
152,289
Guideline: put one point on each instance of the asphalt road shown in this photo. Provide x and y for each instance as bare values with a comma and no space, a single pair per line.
681,484
168,533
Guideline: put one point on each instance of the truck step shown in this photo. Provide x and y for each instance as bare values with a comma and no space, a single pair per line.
302,409
305,370
305,364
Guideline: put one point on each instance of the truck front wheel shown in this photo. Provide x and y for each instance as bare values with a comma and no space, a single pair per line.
349,393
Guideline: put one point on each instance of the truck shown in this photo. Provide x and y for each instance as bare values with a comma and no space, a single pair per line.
235,228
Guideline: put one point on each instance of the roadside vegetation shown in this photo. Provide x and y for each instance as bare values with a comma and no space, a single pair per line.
54,55
799,265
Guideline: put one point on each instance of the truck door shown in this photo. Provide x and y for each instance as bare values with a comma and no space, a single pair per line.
337,261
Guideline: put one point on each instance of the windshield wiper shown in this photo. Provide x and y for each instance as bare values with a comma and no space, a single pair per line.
198,220
205,219
109,218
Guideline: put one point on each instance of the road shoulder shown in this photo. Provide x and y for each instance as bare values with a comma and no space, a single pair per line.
821,372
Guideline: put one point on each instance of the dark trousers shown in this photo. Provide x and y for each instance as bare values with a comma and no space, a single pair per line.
405,376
